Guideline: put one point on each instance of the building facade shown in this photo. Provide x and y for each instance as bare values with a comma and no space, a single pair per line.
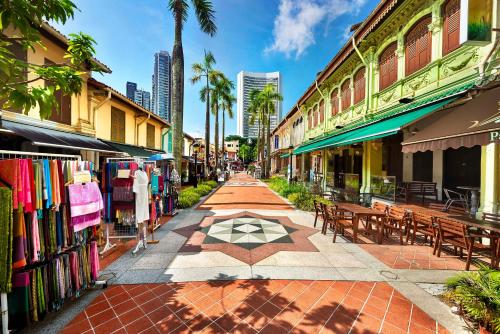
412,97
246,82
131,89
231,149
97,123
162,85
143,98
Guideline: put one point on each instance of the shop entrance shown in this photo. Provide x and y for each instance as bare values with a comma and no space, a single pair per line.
462,167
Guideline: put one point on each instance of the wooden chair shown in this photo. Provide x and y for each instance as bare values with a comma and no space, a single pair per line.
423,224
429,189
436,206
342,219
494,237
379,207
457,235
319,210
327,217
396,220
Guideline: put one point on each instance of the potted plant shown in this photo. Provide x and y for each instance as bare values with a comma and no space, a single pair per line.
477,296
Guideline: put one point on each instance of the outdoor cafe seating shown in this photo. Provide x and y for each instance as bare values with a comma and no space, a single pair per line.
445,228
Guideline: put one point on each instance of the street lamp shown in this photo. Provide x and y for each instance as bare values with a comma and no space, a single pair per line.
290,153
196,149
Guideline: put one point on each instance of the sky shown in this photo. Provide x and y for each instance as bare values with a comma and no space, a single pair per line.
295,37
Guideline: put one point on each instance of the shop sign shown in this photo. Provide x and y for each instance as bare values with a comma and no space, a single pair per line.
476,20
495,136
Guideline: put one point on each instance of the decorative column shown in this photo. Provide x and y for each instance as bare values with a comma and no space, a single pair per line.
400,53
490,179
370,78
437,171
372,163
436,29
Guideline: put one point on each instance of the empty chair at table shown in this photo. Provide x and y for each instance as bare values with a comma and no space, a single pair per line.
494,237
327,217
379,207
454,198
397,220
319,211
342,219
423,223
457,235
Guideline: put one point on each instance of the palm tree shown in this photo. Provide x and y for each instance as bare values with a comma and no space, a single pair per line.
204,70
255,111
222,87
227,106
205,15
269,96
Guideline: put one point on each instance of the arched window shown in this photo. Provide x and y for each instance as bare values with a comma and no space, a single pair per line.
322,111
315,113
451,26
418,46
309,120
388,66
334,100
359,86
346,95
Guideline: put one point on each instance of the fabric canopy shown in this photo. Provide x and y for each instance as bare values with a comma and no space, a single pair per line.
286,155
476,122
132,150
384,128
53,138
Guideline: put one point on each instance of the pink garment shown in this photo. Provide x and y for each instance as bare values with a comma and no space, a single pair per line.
35,237
86,205
9,172
94,260
25,190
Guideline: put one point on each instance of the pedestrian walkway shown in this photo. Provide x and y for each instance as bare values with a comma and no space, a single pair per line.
237,265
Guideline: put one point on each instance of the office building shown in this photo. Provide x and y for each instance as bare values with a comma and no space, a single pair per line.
247,81
131,89
143,98
162,85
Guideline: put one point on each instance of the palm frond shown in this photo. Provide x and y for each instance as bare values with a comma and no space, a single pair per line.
179,7
205,15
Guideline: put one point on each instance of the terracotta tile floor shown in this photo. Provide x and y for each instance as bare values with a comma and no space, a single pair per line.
244,197
264,306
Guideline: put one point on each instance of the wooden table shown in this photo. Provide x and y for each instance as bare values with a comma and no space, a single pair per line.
358,212
474,197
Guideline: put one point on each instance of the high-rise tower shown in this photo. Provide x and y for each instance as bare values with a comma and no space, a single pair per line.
162,85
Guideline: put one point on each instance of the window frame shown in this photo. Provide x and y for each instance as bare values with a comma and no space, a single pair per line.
417,64
447,46
117,135
334,101
345,95
359,80
389,54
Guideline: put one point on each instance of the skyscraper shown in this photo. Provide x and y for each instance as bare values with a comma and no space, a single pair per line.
162,85
246,82
143,98
131,88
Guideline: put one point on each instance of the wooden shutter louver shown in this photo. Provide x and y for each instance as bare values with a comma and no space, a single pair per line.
117,125
334,98
451,26
418,46
62,112
309,120
388,66
322,111
346,95
359,86
315,113
150,139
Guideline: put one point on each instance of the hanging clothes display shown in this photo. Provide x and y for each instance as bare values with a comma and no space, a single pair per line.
48,254
141,182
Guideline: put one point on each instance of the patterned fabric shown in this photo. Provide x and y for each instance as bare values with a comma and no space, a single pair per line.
6,221
19,241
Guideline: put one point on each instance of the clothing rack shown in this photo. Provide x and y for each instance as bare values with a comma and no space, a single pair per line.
109,235
6,154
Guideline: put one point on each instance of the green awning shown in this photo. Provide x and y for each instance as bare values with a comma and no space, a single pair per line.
132,150
380,129
286,155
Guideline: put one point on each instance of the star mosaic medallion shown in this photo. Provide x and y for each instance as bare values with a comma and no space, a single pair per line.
247,236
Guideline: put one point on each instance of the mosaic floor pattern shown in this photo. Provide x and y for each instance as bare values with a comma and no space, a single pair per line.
247,236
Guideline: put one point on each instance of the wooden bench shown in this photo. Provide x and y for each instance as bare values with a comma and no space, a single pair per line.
417,188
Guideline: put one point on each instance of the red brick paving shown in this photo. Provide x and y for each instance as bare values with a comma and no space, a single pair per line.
252,256
234,197
253,306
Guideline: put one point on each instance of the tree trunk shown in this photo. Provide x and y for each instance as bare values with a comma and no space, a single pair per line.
262,134
207,132
258,141
223,134
178,93
216,135
268,147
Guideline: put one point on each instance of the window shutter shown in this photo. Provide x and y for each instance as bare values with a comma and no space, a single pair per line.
451,26
346,95
418,46
359,86
150,133
315,113
334,98
388,66
309,120
322,111
117,125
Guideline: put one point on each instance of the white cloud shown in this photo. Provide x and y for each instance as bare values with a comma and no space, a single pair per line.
295,25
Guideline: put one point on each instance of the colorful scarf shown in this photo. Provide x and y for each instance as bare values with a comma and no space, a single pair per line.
6,223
